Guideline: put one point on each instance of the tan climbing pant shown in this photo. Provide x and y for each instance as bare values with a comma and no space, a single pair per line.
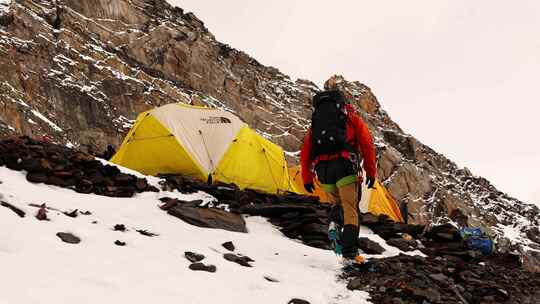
347,196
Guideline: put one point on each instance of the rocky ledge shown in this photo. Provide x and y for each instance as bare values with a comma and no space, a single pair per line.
64,167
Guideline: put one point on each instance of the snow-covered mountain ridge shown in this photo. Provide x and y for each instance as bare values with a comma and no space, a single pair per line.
80,71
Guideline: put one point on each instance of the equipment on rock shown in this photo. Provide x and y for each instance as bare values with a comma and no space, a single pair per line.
209,144
475,239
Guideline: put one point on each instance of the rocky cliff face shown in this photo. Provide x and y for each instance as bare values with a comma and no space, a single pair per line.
80,71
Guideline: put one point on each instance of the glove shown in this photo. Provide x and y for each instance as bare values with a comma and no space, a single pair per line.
309,187
370,182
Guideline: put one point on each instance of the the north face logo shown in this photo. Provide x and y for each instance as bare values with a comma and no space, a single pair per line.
216,120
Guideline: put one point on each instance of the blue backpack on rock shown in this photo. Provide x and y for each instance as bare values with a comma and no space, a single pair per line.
475,239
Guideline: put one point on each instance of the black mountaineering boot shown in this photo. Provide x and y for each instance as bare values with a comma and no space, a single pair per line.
350,241
350,245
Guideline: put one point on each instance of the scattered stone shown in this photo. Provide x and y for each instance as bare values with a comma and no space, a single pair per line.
370,247
298,301
430,294
146,233
36,177
202,267
440,278
193,257
444,233
402,244
432,279
298,217
228,245
36,165
42,213
141,184
119,227
86,212
17,210
94,222
238,259
68,237
169,203
119,243
209,218
355,284
270,279
84,186
73,213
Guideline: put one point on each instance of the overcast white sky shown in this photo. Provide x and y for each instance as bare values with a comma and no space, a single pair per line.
461,76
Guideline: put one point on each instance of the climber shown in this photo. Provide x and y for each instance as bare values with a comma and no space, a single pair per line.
333,149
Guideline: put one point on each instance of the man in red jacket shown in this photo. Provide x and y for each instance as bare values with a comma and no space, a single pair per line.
336,164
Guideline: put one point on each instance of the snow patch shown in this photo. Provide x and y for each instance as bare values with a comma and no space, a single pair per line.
4,6
292,154
45,119
124,122
148,269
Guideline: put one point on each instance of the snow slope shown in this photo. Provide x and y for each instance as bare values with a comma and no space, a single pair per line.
39,268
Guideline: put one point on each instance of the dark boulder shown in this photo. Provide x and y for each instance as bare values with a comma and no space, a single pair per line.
60,181
36,165
68,237
228,245
238,259
370,247
202,267
297,301
119,227
13,208
444,233
36,177
210,218
402,244
193,257
146,233
271,279
73,213
84,186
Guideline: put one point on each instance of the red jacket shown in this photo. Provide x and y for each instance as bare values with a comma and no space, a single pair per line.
357,135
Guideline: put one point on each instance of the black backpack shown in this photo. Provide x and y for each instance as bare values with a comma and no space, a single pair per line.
328,123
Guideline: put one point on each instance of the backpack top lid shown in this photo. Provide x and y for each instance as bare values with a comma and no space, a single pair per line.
334,96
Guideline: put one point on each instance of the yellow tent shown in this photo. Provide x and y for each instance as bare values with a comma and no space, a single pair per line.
376,201
203,142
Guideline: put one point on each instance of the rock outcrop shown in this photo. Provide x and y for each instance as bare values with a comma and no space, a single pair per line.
64,167
79,72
